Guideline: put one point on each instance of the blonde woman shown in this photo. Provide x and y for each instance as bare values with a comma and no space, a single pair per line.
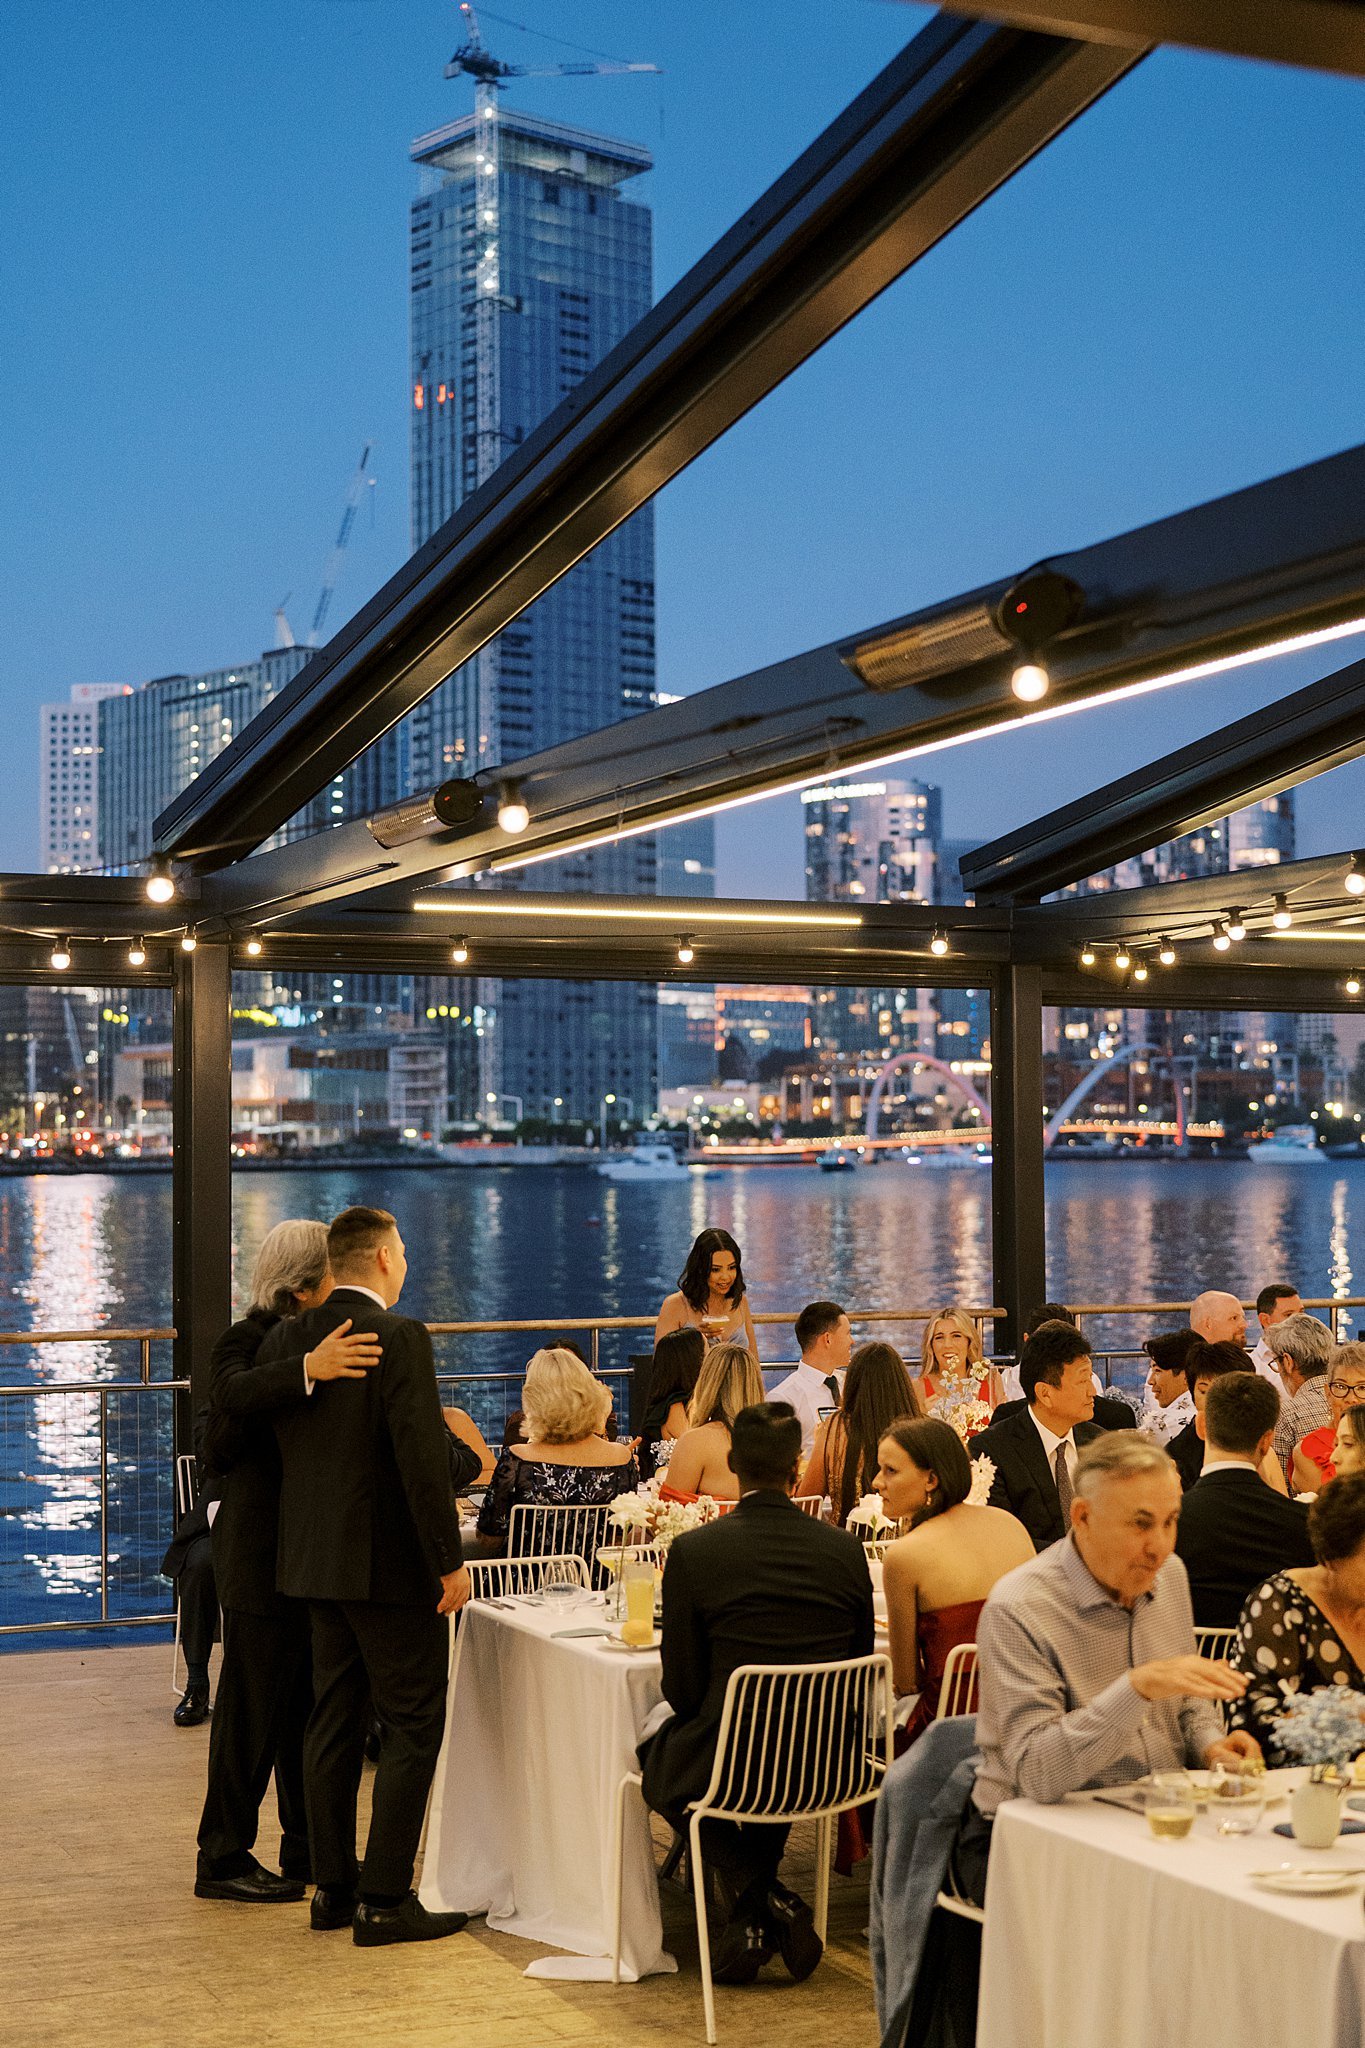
567,1460
953,1372
728,1381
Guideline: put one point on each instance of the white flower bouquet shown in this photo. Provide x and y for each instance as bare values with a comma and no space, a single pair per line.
962,1408
983,1479
643,1518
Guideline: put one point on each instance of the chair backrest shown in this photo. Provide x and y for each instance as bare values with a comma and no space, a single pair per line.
186,1485
800,1740
495,1578
957,1694
560,1531
809,1503
1214,1642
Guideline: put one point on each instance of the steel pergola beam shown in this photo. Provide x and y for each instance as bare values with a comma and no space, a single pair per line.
942,127
1322,35
1301,736
1282,557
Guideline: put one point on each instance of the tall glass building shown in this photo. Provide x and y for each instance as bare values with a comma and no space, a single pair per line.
529,261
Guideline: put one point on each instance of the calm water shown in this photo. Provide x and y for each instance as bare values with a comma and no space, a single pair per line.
545,1244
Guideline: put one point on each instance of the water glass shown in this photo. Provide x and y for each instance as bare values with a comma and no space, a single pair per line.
561,1587
1236,1802
1170,1805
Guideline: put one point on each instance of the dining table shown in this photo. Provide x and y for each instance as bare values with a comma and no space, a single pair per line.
543,1715
1096,1931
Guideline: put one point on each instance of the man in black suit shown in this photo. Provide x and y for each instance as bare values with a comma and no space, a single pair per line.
1234,1529
764,1585
1034,1450
370,1537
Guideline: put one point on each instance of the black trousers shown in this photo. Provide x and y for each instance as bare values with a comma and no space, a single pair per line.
198,1597
398,1657
265,1696
747,1854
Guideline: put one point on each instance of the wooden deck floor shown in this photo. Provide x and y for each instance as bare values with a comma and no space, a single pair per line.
103,1941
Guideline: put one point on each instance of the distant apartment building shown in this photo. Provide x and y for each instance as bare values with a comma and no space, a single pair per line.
68,780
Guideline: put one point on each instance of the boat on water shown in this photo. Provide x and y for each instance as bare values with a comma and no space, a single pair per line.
838,1161
1290,1145
947,1158
649,1159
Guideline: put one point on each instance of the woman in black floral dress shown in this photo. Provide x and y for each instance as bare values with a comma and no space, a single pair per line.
566,1461
1305,1628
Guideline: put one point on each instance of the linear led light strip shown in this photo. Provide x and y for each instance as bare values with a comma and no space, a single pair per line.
1295,645
461,906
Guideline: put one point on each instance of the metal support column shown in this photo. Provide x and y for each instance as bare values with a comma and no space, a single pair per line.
202,1163
1017,1225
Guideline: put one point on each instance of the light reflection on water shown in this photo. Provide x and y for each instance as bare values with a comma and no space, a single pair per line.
75,1253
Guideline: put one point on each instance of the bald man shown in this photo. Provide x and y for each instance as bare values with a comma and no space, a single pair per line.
1219,1318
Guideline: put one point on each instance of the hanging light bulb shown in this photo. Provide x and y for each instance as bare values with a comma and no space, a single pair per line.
1353,984
513,816
189,943
938,944
160,886
459,952
1354,883
1123,959
1222,939
1166,955
1087,954
1030,682
61,956
254,946
1140,972
137,954
686,952
1237,930
1280,917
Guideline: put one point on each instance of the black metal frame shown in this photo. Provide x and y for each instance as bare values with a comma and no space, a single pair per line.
1323,35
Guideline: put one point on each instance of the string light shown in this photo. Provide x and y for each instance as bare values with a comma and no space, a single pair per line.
137,953
1167,954
1139,972
459,952
1123,959
1222,938
1353,984
938,944
1280,917
160,887
61,956
1354,884
189,944
686,953
1237,930
1087,954
1030,682
254,946
513,815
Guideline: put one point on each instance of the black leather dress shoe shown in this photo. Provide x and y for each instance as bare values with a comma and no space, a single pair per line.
193,1709
255,1887
791,1927
332,1906
377,1926
739,1952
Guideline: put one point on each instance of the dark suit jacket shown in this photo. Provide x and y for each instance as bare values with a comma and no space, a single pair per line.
367,1506
1024,1481
764,1585
244,1397
1234,1532
1186,1449
1109,1413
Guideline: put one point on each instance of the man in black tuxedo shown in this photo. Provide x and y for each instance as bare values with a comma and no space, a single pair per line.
1234,1529
1034,1450
764,1585
370,1537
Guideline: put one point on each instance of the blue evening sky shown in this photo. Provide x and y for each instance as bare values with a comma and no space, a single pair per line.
205,316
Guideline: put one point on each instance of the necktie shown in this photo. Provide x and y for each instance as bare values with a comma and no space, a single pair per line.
1064,1489
833,1386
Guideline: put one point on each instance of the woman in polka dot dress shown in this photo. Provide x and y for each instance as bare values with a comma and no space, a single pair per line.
1306,1628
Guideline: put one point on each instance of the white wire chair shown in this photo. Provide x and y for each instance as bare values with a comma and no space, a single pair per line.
535,1531
502,1578
186,1494
957,1693
809,1503
796,1742
1214,1642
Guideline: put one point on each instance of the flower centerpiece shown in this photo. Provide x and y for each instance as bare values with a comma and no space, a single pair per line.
870,1521
643,1517
1324,1729
962,1408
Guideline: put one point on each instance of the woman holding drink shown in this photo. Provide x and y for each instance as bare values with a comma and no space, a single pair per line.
711,1296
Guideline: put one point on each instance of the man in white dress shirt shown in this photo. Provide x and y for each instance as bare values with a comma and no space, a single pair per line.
825,1341
1273,1304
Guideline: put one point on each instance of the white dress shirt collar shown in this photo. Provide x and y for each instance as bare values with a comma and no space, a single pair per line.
354,1287
1052,1444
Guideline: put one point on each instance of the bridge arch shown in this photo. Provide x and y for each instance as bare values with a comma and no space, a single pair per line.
919,1059
1096,1074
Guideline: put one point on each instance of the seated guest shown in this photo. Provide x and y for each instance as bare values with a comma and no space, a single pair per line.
1169,1407
1112,1411
1311,1466
815,1389
953,1369
765,1585
1305,1628
1303,1349
1218,1318
672,1383
465,1430
1273,1304
1034,1451
1234,1529
843,1463
1348,1448
1206,1363
728,1381
1086,1662
566,1460
711,1294
937,1577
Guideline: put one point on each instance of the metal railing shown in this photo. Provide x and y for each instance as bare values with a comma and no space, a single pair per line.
77,1481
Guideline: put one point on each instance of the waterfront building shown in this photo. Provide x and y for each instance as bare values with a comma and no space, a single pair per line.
68,780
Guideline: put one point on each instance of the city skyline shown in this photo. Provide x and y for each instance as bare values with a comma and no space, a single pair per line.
210,475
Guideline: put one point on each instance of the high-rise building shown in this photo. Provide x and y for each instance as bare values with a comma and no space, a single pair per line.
529,261
68,780
873,842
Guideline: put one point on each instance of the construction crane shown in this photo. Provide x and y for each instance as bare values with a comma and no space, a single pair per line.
329,574
474,60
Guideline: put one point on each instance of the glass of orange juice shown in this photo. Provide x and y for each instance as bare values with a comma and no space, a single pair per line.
638,1579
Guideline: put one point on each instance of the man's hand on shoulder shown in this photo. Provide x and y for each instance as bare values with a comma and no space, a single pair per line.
343,1357
456,1588
1200,1678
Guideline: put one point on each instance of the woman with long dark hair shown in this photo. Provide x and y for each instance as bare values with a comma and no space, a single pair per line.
672,1383
937,1577
711,1296
843,1460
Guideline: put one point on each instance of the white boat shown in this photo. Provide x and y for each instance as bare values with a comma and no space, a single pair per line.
946,1157
1291,1145
647,1160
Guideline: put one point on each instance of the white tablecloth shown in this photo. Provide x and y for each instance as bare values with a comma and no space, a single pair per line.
538,1735
1098,1933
